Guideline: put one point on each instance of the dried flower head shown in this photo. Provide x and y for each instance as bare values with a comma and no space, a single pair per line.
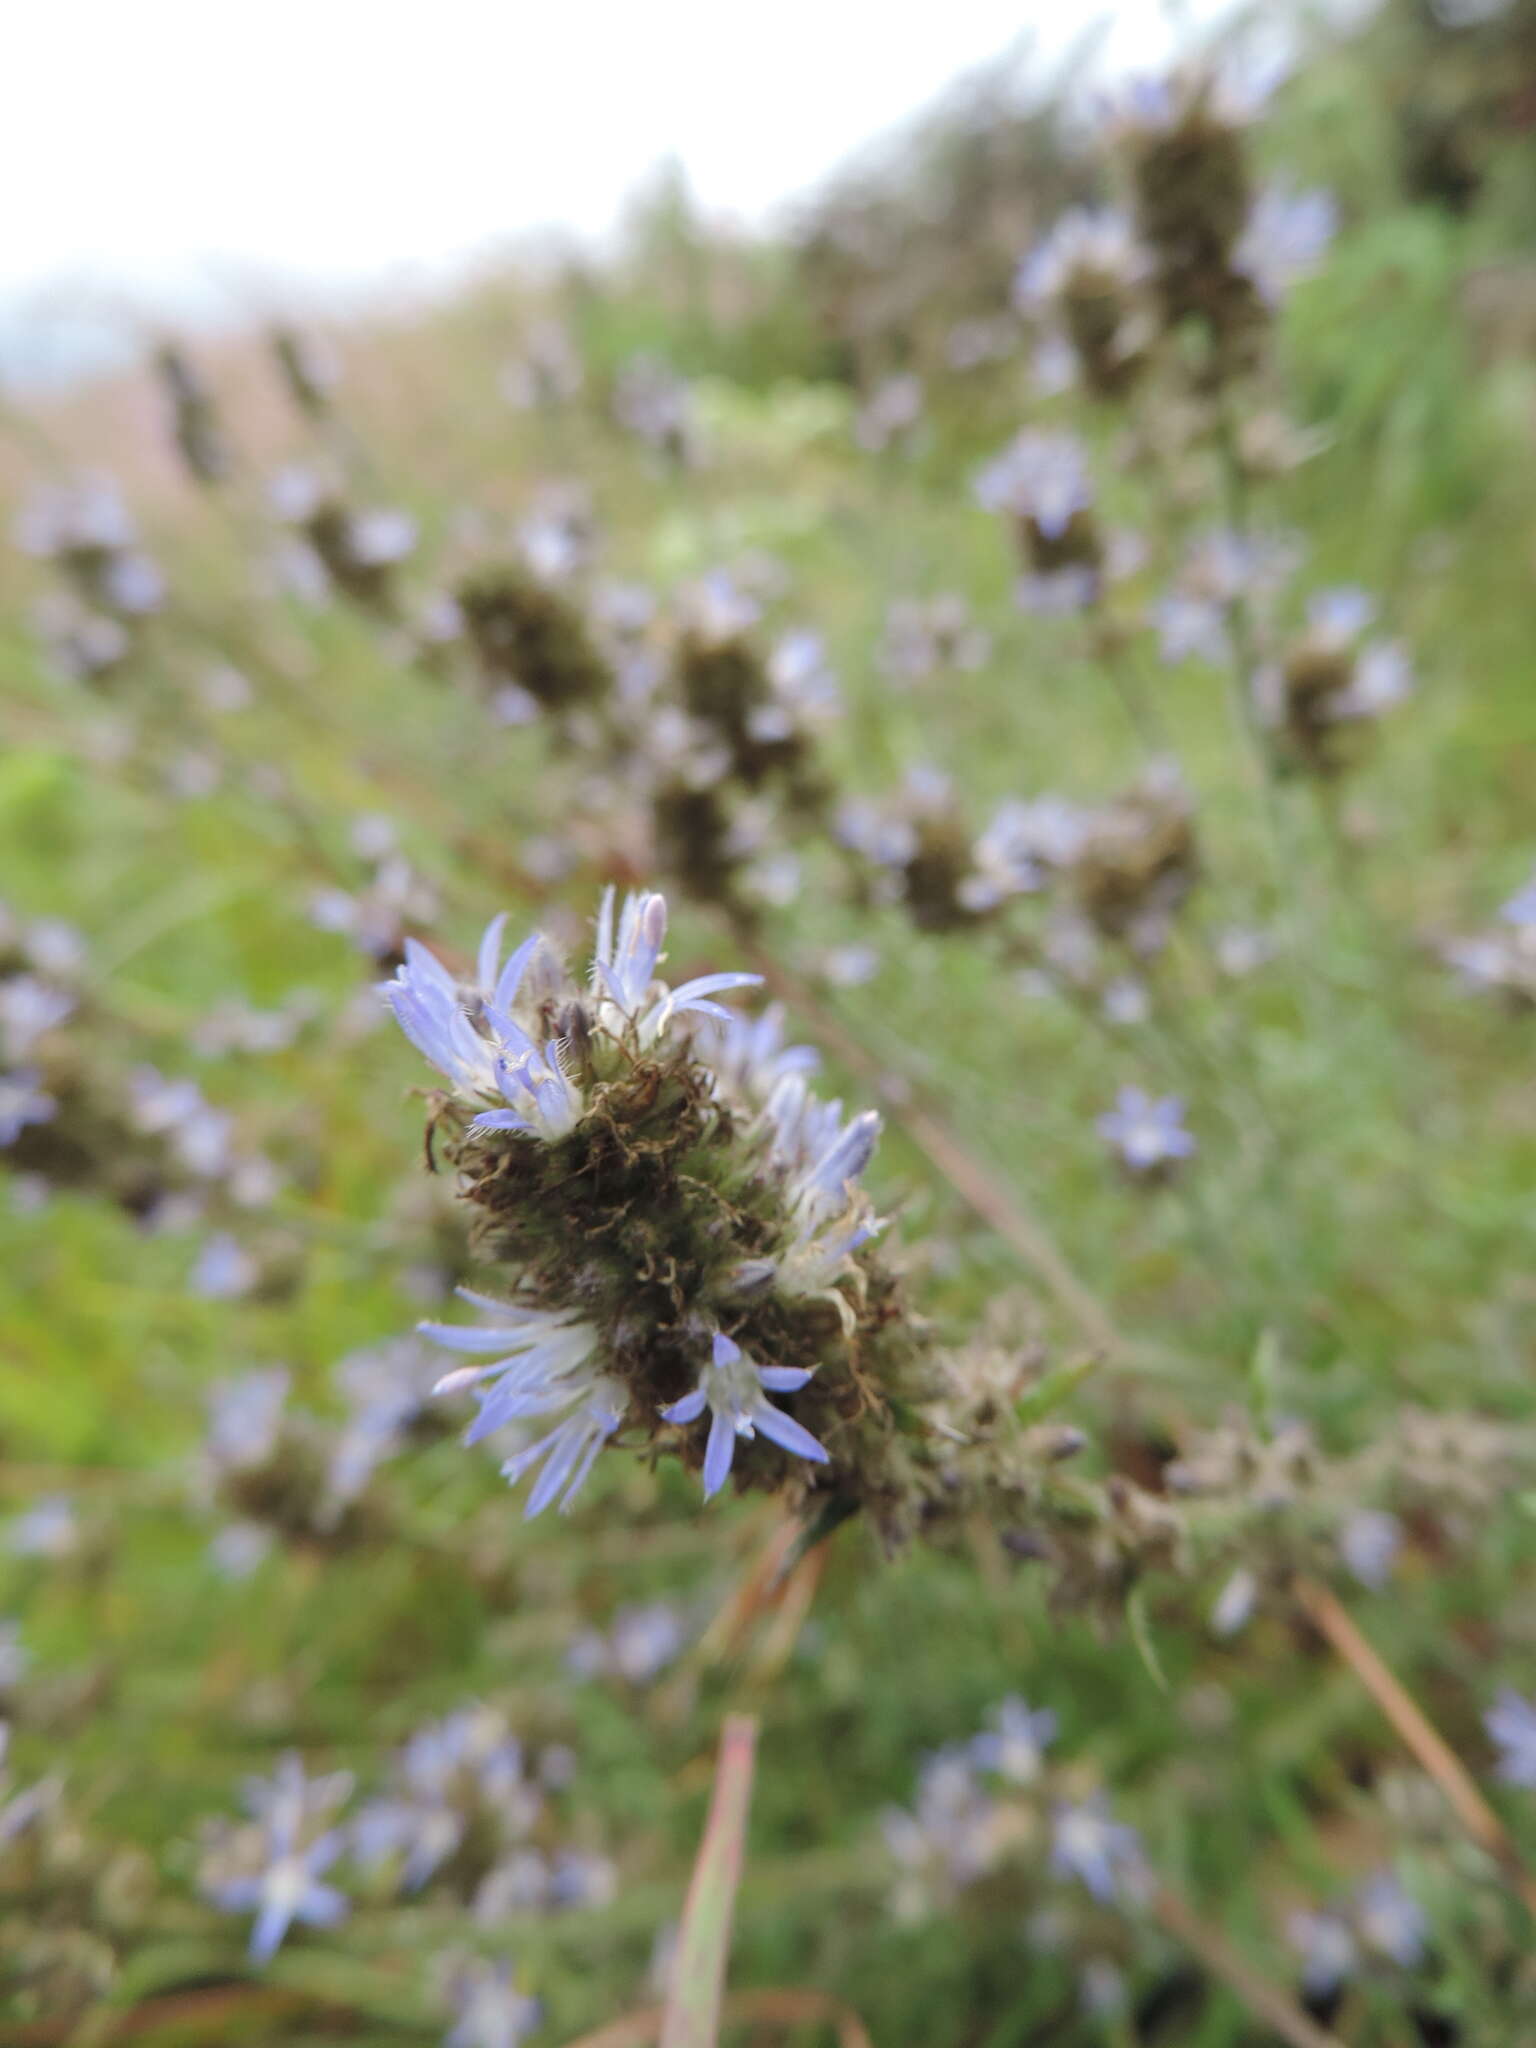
1331,683
1087,280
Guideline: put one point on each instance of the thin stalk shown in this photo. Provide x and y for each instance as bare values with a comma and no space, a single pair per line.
1429,1747
1252,741
1112,653
1177,1917
691,2016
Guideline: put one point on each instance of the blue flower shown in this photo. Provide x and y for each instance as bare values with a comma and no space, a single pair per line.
748,1056
488,2009
1327,1951
1511,1721
624,972
29,1010
1286,237
46,1529
733,1389
548,1363
1390,1921
570,1448
429,1007
1041,477
1147,1133
1101,1853
1520,910
1015,1744
1341,615
290,1801
1368,1543
288,1889
638,1647
1097,243
474,1035
545,1363
23,1101
245,1417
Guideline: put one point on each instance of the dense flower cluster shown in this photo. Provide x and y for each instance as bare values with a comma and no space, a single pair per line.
468,1814
353,550
687,1255
151,1143
680,1219
1000,1818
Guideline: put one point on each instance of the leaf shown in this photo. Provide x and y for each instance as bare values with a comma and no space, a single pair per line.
691,2017
1049,1392
829,1518
1141,1636
1263,1376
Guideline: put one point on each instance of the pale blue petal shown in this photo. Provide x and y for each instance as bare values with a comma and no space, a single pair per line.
718,1453
501,1120
272,1923
782,1379
323,1906
466,1337
490,952
512,974
788,1434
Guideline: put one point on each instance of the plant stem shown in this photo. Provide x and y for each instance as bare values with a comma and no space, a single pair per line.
1177,1917
1329,1616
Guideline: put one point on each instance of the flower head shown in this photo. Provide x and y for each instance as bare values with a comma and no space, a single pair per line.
487,1040
1041,477
697,1239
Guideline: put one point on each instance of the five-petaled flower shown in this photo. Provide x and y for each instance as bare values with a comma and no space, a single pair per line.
736,1394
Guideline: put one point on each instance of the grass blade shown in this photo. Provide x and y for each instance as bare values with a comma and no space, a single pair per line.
692,2015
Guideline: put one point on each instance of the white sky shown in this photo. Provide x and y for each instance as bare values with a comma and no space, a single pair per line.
184,154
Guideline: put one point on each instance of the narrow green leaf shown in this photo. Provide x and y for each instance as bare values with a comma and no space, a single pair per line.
1141,1636
1050,1391
692,2015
